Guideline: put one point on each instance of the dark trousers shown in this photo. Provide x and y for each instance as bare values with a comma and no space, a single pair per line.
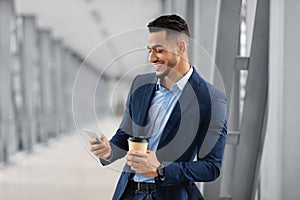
131,194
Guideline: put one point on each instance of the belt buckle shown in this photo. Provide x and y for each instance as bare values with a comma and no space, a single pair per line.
143,187
139,188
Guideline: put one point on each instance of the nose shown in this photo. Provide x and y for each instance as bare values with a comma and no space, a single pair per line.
152,57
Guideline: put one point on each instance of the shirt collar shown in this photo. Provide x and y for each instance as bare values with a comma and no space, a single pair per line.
180,83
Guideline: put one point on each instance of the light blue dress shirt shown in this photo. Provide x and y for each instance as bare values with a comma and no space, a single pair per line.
160,110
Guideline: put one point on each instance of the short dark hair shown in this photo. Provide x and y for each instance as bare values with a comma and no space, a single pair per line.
169,23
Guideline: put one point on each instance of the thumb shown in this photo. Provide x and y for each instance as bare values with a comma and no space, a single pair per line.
149,151
102,137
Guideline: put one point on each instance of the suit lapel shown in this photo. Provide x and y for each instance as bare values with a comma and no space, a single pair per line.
186,99
146,95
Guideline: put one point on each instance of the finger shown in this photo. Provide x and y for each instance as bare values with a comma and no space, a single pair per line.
99,151
132,165
94,147
137,153
131,157
134,169
137,161
103,138
93,141
100,156
104,155
107,155
129,163
98,146
149,152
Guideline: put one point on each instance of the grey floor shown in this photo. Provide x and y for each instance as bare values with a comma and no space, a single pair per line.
63,170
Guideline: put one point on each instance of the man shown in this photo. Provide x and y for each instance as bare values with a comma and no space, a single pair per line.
183,116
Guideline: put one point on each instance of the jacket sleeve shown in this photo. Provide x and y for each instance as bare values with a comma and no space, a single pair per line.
208,164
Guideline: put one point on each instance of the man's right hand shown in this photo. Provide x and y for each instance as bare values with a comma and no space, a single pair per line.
103,150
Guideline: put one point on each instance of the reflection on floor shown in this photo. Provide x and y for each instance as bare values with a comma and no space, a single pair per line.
61,171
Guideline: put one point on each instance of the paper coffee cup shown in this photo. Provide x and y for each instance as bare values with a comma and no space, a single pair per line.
138,144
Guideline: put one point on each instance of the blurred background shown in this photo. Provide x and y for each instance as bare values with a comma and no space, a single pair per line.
68,64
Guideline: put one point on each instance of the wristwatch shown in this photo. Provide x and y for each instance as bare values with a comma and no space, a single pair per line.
161,172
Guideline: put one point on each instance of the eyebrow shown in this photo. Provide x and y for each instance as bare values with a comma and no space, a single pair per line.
156,46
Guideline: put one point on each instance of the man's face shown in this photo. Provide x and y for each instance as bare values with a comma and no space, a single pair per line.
162,53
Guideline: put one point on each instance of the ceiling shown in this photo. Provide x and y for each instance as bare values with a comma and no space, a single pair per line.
113,29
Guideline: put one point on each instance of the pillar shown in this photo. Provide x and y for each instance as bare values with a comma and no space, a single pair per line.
47,84
6,109
29,80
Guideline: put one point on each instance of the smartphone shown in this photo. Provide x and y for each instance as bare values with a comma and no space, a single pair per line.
92,135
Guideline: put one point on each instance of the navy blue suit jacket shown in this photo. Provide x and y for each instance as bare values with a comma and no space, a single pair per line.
195,129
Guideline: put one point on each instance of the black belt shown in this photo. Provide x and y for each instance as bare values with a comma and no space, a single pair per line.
141,186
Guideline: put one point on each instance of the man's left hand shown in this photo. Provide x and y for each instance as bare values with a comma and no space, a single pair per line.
144,163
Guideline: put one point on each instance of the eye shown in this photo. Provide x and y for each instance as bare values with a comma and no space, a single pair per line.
158,50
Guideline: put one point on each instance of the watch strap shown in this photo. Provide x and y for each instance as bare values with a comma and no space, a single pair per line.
161,172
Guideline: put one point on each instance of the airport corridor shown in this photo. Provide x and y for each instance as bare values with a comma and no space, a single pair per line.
61,170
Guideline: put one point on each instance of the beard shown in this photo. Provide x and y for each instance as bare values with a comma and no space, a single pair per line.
169,67
164,73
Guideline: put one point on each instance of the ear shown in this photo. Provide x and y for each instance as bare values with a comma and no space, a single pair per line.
181,46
